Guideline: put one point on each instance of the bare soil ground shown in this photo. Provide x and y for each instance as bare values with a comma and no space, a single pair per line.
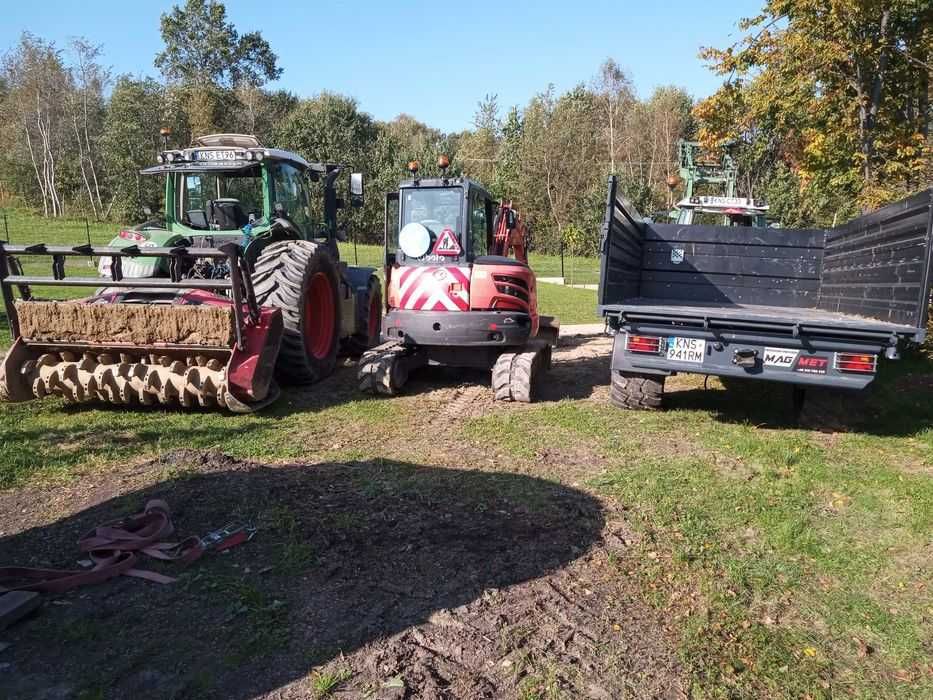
449,573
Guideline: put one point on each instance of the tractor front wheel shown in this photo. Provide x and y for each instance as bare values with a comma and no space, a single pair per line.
300,278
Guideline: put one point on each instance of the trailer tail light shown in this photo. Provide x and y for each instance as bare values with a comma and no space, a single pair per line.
856,362
644,343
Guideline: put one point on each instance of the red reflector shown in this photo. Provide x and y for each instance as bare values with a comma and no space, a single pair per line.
493,326
643,343
132,236
855,362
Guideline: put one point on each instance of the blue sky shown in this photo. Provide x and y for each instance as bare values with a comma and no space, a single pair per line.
434,60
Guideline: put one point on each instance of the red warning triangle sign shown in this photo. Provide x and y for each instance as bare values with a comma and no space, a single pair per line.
447,244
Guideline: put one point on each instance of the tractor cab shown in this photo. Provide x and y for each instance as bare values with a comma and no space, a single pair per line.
230,188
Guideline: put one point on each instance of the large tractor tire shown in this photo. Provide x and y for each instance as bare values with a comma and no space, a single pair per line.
300,278
637,391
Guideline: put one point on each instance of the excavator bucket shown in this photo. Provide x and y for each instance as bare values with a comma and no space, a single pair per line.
140,341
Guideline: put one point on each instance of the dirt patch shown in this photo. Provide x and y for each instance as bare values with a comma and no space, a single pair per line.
130,324
580,369
419,582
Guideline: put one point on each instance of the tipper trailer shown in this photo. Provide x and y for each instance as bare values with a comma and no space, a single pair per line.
810,307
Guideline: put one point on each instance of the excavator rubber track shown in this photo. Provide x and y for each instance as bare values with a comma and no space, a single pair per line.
515,375
385,368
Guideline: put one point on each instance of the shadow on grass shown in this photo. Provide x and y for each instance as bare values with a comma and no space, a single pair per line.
346,554
898,403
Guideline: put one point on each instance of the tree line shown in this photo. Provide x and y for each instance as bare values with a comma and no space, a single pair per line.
826,110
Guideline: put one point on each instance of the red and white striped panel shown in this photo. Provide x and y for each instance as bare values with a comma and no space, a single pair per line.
434,288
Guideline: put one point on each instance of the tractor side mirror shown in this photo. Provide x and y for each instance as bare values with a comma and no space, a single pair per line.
147,211
342,235
356,190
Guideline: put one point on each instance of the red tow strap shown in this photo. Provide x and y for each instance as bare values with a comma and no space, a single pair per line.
113,548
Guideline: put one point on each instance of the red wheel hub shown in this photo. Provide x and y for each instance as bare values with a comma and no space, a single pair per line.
319,317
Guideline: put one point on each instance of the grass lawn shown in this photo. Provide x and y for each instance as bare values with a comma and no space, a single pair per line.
797,562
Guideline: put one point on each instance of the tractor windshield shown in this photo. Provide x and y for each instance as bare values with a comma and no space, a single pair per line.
219,201
435,208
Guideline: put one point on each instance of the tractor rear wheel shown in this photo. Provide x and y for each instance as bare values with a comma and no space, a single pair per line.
300,278
639,391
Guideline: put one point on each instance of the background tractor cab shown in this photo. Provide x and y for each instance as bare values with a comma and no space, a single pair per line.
722,211
716,178
459,290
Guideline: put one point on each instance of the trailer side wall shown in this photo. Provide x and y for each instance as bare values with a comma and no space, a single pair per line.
622,237
878,265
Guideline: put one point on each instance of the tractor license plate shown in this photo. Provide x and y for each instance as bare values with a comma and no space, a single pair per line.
216,155
686,349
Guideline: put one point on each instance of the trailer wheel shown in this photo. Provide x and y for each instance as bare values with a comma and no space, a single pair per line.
637,391
300,278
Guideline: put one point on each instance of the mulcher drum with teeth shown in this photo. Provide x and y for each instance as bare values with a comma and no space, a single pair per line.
186,347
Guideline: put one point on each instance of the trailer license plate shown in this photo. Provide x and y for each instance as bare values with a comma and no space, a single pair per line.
686,349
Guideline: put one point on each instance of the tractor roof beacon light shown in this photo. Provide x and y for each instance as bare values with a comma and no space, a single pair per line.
165,132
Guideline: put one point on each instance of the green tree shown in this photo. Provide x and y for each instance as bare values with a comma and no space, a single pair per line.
331,128
203,48
479,148
38,134
615,96
130,141
205,58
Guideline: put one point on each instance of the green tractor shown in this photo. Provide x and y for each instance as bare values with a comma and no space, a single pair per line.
715,209
239,236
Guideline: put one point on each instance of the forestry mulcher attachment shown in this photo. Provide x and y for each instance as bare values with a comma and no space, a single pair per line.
459,290
234,285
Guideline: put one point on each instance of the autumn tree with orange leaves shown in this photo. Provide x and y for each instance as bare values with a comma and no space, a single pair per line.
828,103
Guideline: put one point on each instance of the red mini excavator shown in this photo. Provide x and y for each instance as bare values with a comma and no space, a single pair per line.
459,290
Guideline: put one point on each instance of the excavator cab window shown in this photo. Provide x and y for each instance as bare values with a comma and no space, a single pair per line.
479,222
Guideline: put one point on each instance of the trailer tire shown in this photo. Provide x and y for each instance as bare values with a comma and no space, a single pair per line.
300,278
643,392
